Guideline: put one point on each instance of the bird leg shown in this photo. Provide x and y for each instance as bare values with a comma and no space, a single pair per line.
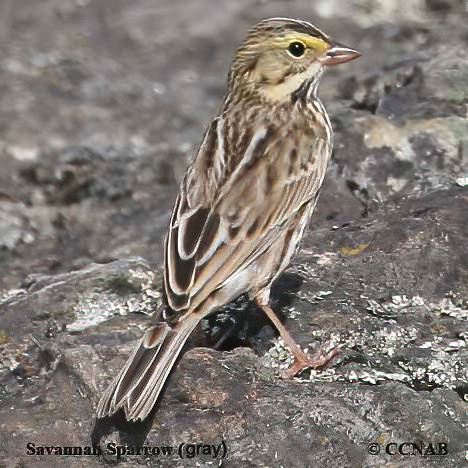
302,360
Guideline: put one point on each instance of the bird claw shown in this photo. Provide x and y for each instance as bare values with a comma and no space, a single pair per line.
305,361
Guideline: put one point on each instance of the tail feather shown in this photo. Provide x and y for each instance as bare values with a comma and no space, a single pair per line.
138,385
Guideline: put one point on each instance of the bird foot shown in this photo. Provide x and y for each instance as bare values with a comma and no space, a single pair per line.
305,361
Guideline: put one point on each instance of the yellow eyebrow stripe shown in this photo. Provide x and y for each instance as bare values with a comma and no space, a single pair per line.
314,43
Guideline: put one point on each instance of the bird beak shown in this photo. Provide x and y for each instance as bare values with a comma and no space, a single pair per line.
337,53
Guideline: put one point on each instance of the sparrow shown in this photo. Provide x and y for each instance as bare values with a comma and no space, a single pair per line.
244,203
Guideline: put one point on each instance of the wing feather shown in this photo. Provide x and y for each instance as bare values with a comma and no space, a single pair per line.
240,215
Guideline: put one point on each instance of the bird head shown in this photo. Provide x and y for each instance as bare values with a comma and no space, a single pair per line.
279,55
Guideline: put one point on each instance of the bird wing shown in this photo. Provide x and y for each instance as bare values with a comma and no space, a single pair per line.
223,221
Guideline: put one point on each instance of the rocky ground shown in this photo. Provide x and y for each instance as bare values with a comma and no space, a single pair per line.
100,105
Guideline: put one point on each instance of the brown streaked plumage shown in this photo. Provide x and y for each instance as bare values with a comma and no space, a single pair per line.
245,200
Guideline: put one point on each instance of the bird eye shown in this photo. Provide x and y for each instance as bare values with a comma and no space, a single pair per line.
296,49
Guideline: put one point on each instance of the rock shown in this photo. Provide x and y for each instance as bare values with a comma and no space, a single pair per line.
101,104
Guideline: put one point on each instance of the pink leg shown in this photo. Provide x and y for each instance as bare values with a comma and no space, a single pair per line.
301,359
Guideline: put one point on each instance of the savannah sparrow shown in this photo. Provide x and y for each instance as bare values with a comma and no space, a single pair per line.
244,202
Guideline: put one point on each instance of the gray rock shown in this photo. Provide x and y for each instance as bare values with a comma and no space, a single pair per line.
100,106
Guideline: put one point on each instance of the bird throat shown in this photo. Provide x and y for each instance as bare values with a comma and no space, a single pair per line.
307,90
301,86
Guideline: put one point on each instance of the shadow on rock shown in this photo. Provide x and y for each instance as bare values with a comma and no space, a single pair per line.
113,431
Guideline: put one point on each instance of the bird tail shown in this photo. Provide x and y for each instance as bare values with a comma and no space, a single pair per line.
138,385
